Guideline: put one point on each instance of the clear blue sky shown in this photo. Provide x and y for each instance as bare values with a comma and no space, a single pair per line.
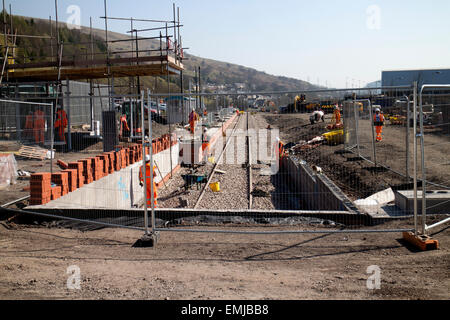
338,43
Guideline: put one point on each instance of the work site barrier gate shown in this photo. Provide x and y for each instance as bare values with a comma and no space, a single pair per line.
26,123
433,122
328,177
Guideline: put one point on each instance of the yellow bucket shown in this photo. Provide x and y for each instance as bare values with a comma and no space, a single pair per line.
215,186
334,137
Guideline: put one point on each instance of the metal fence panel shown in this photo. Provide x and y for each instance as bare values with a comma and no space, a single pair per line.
27,123
299,186
434,147
318,184
394,151
85,105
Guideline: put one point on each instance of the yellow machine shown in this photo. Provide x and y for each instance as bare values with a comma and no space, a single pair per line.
396,120
334,137
297,99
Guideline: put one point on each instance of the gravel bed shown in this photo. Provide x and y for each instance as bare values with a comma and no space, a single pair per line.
233,192
263,189
173,195
269,192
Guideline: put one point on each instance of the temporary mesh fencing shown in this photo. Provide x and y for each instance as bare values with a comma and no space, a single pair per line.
229,172
27,123
434,159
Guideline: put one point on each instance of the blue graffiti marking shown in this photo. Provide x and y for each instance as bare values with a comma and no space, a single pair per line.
123,188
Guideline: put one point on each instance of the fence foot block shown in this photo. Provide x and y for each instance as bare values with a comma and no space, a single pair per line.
147,240
423,242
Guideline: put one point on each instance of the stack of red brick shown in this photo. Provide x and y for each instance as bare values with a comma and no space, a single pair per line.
72,175
40,188
61,179
85,171
162,143
78,166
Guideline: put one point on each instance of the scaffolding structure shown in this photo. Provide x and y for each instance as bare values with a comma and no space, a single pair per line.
114,63
124,57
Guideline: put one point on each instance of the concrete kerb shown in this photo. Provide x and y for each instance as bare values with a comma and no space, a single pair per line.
84,214
317,190
177,213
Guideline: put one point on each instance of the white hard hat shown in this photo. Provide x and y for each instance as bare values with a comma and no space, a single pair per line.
147,157
377,109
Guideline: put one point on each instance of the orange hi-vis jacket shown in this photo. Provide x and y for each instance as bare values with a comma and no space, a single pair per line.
61,123
29,121
39,125
193,117
123,125
378,120
147,173
141,179
39,119
29,126
281,151
337,115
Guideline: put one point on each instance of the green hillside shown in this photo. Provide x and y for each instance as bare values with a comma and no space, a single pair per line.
76,44
31,49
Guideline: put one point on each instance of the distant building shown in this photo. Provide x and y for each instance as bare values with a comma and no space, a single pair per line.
239,85
407,77
439,97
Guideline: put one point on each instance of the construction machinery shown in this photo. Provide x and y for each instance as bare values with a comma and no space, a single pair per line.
431,115
298,105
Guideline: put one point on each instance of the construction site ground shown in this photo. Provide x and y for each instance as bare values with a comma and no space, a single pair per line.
232,175
357,178
35,254
34,259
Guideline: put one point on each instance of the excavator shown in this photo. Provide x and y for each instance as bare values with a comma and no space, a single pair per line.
298,101
299,105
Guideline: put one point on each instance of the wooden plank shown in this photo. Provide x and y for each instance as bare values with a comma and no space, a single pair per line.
155,69
32,152
86,63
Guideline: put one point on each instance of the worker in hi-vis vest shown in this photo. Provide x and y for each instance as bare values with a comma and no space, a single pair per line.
124,129
205,144
281,150
149,182
378,122
193,118
60,124
29,126
337,114
39,126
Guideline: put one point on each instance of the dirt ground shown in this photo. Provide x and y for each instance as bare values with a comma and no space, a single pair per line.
197,266
357,177
35,257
